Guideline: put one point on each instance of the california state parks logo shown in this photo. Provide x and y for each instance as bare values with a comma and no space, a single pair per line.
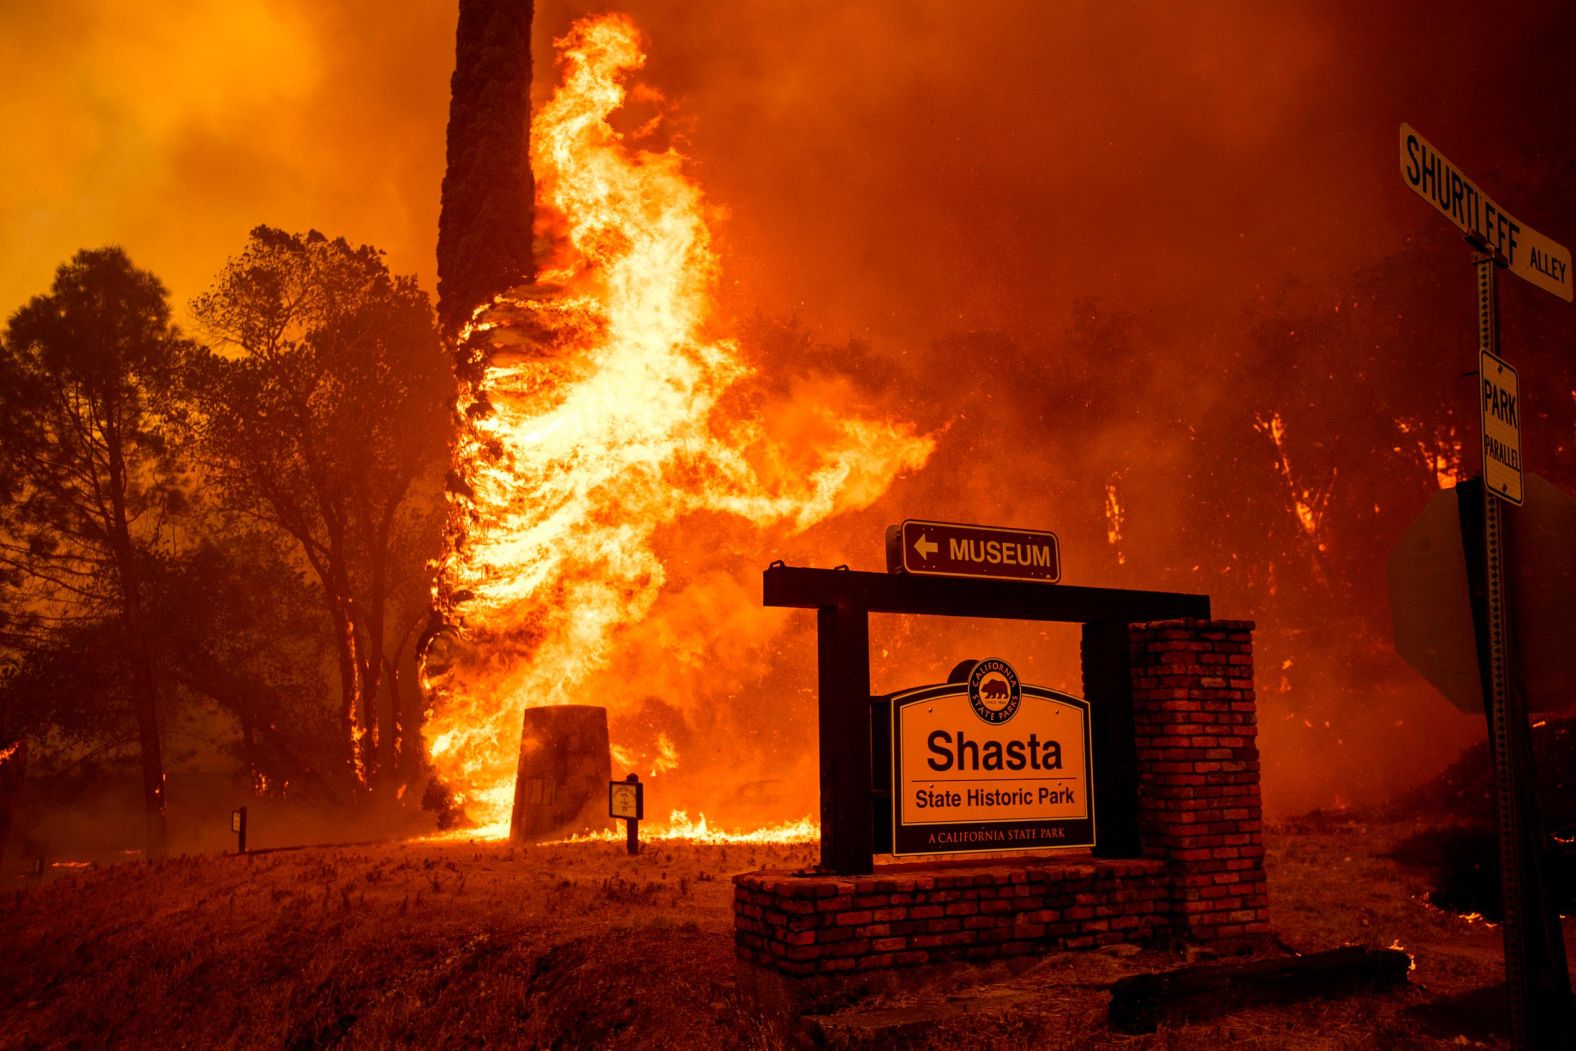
993,691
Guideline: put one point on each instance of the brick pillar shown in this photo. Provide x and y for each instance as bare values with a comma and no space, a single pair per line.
1199,807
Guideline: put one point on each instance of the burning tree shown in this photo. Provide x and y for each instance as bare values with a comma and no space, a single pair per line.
596,413
330,422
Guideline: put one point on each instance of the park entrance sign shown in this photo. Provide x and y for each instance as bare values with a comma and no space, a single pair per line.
1161,745
989,763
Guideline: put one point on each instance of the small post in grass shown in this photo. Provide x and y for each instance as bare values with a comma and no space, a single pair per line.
238,826
627,799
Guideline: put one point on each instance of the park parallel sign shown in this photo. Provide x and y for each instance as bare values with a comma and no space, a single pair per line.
1530,255
1501,418
952,549
990,763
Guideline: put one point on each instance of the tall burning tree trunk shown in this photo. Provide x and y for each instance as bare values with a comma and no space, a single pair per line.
484,228
484,245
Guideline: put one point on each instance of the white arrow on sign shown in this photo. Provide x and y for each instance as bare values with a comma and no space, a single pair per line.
926,546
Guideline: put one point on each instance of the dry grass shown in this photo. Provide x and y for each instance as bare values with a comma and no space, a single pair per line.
483,945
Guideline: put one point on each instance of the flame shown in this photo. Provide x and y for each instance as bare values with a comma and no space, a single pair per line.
1411,959
667,756
1476,917
680,827
1441,455
1308,504
597,410
1114,516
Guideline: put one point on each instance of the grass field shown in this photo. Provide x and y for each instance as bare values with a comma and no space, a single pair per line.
457,944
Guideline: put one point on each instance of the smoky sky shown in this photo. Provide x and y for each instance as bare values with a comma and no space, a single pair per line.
892,171
887,169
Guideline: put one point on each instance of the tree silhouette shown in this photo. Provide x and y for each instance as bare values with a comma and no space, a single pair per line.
331,422
87,475
238,625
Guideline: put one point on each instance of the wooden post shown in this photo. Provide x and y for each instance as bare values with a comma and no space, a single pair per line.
238,826
843,670
1108,687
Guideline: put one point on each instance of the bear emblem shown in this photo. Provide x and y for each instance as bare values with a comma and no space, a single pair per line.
994,688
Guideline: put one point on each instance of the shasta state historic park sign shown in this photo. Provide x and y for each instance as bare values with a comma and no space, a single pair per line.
989,764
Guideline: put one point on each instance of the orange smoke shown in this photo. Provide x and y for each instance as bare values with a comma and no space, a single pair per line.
597,412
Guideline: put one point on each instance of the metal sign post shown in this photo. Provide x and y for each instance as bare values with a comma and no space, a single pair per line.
1536,972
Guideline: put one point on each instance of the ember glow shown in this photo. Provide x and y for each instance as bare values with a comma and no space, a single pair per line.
598,410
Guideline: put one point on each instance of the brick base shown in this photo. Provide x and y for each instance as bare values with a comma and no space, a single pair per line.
906,915
1198,761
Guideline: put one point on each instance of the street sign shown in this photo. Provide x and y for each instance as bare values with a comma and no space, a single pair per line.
1530,255
1501,416
990,763
952,549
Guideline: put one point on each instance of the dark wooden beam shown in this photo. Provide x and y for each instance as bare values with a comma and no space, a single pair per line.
843,670
966,597
1108,687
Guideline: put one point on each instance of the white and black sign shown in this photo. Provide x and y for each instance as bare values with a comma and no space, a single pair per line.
627,800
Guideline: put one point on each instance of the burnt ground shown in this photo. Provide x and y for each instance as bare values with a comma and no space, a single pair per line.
459,944
1454,812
